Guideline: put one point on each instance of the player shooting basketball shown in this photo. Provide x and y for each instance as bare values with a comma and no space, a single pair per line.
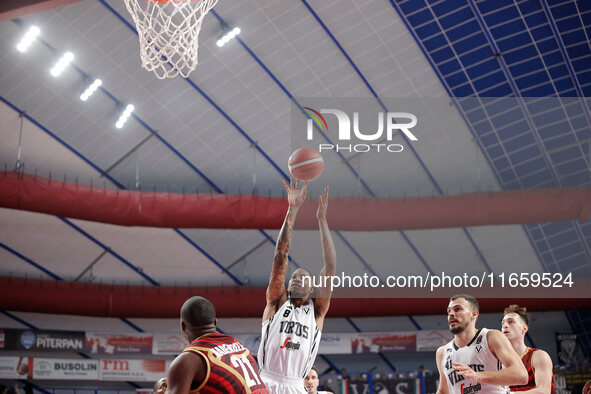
293,319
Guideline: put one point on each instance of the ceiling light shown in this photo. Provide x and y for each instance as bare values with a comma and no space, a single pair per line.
124,116
91,89
230,34
28,38
61,64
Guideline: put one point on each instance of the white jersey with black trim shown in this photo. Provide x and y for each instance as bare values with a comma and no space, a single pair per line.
289,342
477,356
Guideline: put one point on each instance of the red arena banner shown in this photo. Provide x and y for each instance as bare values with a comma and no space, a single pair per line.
135,208
137,343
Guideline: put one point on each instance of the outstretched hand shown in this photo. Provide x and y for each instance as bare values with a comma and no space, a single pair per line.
296,192
322,204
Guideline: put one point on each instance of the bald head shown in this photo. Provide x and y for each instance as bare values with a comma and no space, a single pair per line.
197,312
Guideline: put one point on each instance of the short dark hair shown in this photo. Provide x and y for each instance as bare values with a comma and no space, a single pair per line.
471,300
315,369
198,311
519,310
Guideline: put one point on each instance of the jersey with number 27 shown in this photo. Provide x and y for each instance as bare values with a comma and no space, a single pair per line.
230,367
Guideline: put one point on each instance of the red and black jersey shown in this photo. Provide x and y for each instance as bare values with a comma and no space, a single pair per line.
531,373
230,367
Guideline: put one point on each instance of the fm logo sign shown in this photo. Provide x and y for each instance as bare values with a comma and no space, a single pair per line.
347,130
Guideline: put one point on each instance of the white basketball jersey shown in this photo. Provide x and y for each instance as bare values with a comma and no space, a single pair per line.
478,356
289,341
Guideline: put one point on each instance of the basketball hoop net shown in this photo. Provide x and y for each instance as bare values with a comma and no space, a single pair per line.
169,31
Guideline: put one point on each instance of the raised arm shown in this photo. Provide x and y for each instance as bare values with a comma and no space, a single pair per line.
513,372
322,302
276,293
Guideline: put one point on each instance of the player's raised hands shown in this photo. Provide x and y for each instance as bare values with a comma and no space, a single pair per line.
322,204
296,192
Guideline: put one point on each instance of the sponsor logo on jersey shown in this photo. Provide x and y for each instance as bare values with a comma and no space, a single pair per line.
479,339
479,348
473,388
289,345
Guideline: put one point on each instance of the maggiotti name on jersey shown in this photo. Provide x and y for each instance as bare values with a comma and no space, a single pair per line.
224,349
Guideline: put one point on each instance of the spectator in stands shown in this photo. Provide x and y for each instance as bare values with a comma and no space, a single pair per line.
344,374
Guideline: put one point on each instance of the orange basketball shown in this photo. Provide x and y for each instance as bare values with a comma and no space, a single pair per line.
306,164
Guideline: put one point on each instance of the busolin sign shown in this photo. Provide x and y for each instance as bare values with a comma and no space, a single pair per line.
349,131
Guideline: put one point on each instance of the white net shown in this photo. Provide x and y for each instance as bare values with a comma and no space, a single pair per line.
168,33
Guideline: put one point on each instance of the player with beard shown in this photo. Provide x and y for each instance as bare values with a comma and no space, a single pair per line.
293,319
536,361
475,361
